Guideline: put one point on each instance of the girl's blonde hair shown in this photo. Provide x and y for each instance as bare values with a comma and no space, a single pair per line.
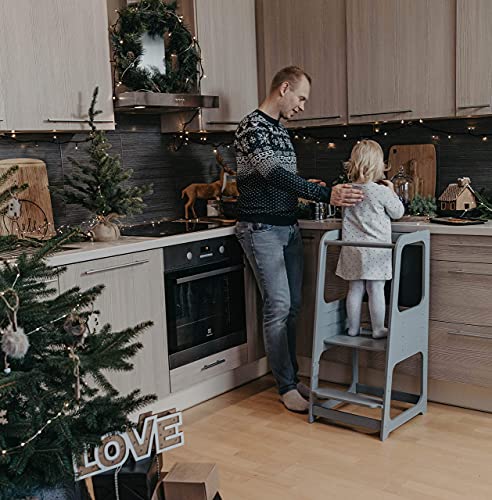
366,162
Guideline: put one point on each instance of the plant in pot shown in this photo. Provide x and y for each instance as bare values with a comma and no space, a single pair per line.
101,185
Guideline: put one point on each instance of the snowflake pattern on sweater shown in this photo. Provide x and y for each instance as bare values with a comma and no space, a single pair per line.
267,179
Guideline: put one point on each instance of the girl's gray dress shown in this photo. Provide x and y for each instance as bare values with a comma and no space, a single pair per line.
369,221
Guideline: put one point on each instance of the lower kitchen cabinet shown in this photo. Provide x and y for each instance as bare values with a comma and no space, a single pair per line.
460,343
461,353
133,293
190,374
310,241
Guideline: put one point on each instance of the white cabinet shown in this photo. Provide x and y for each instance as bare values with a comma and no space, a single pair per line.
227,36
53,53
473,61
133,293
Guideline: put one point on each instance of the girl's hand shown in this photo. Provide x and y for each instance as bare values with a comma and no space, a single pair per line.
388,184
317,181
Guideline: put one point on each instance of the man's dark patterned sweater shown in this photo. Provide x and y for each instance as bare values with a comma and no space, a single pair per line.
267,177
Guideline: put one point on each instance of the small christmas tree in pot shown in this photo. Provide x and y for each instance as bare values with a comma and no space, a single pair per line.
100,186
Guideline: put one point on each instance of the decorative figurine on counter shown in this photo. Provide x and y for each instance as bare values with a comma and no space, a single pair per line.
458,196
212,191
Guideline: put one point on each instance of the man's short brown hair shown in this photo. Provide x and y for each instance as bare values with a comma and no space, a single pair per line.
291,74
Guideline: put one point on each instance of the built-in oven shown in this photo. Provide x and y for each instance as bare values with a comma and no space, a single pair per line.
205,311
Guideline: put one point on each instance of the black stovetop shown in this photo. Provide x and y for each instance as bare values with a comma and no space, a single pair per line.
167,228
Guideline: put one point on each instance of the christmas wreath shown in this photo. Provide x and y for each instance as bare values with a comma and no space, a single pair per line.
183,68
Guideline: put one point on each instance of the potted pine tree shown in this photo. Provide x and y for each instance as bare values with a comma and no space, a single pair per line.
100,185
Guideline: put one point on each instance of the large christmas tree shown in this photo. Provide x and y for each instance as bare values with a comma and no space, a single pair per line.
55,397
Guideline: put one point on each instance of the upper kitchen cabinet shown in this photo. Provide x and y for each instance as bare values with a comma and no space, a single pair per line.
473,60
226,32
401,61
311,35
2,91
53,53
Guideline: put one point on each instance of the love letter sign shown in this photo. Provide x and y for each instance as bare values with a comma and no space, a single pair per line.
154,433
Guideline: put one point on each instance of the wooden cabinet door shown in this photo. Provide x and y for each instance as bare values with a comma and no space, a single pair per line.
400,59
54,53
133,293
310,35
305,325
226,32
473,60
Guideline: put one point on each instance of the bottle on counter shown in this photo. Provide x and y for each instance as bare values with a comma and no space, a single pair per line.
404,187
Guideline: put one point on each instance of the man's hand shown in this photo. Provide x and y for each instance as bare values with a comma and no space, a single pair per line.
344,195
318,181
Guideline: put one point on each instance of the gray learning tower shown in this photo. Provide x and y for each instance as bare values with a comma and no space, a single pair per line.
408,331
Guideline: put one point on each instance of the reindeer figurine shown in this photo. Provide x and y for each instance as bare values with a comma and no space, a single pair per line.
212,191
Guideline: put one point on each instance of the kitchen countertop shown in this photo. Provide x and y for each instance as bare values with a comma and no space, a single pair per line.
128,244
407,226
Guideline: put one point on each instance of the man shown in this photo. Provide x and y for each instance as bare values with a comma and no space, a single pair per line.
267,229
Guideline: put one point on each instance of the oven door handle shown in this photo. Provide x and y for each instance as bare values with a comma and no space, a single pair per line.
207,274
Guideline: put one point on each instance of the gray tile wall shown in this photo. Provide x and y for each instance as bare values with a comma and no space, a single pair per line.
149,153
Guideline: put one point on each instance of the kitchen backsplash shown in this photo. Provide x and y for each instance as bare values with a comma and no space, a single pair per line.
144,149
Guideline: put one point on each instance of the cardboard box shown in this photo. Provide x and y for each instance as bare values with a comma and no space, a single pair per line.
192,481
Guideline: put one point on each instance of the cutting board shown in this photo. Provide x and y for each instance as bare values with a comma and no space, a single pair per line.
31,214
419,161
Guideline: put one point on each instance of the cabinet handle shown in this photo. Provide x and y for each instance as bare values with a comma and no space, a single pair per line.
469,334
222,123
475,106
333,117
307,237
1,120
469,245
477,273
119,266
70,120
382,113
215,363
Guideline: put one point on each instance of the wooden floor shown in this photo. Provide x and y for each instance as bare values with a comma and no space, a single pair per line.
265,452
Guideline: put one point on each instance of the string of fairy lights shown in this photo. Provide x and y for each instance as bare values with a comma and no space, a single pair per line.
66,404
48,422
341,134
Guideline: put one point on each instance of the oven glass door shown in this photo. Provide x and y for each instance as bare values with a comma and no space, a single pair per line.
205,311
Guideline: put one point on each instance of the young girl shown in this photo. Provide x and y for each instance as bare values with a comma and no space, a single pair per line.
365,268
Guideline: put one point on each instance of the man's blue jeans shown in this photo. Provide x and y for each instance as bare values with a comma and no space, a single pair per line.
275,255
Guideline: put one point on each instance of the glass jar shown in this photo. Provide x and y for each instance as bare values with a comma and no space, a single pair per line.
404,187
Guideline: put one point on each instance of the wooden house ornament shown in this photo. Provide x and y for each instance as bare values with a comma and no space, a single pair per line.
458,196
